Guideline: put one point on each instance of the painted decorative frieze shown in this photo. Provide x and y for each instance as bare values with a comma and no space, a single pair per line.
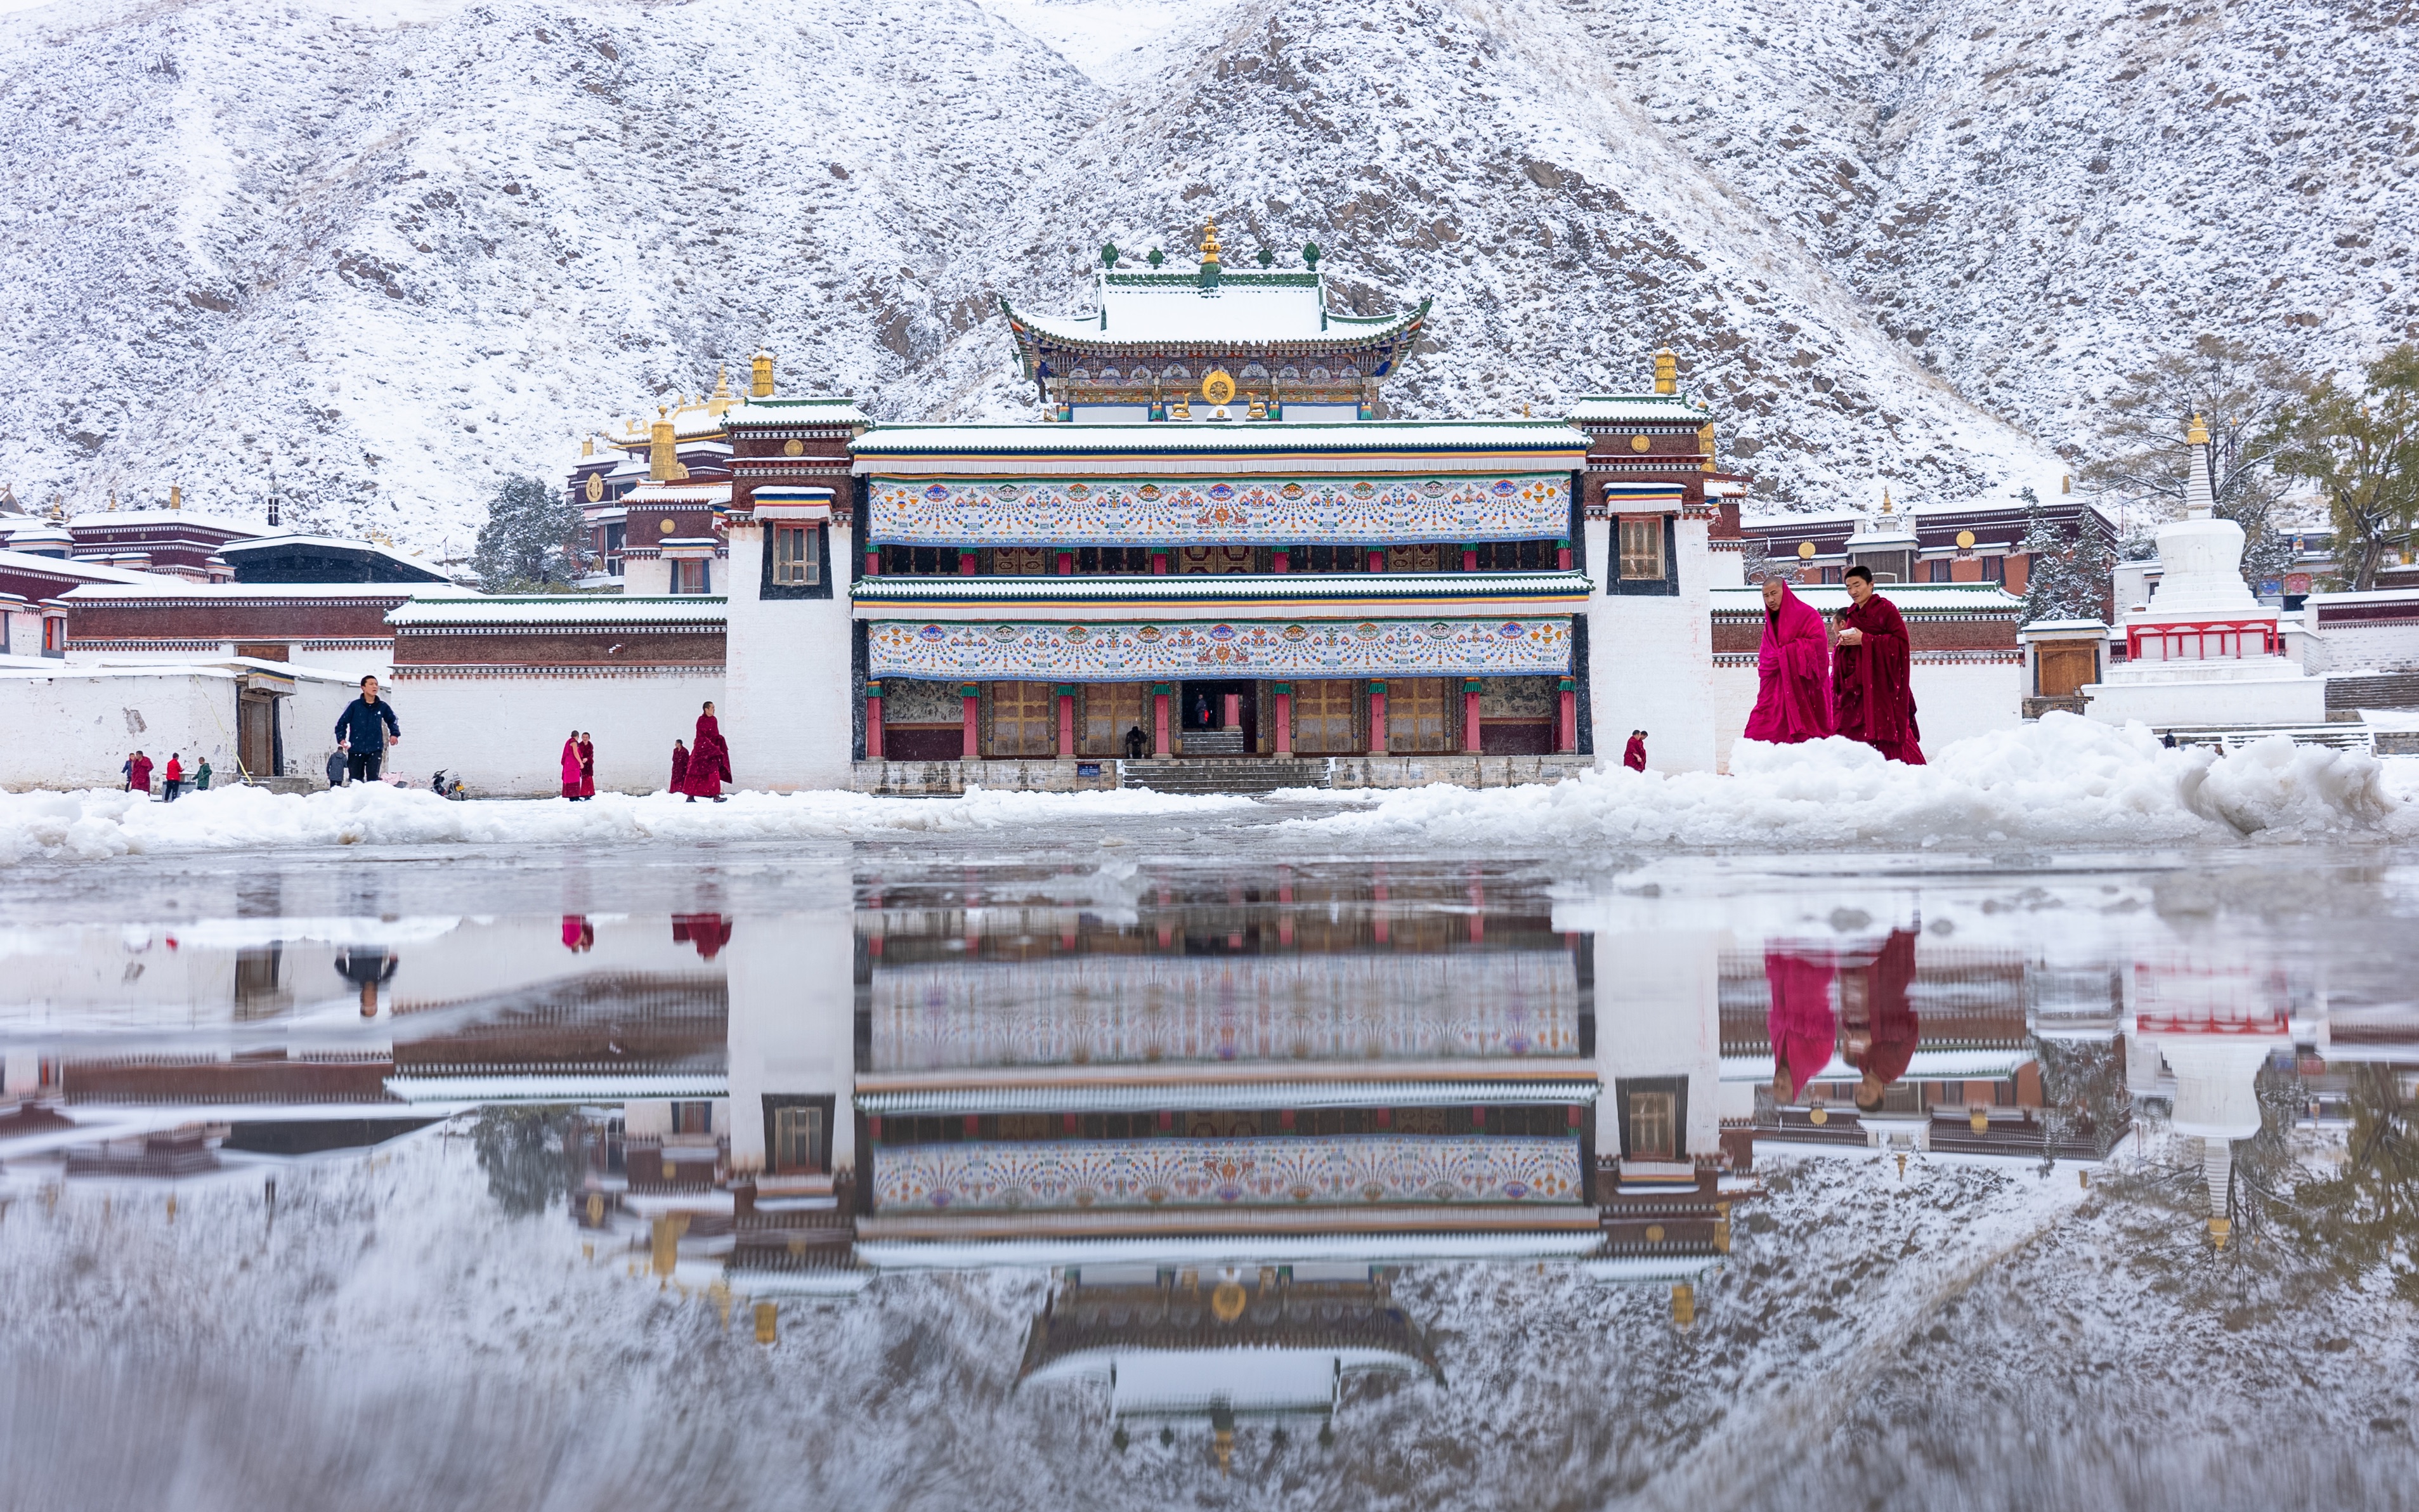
1260,512
1209,1173
1107,1009
1123,653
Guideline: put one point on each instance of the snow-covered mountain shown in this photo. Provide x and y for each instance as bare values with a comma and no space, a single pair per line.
392,251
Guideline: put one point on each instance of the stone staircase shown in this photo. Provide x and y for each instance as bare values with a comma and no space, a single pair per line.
1244,774
2382,690
1210,741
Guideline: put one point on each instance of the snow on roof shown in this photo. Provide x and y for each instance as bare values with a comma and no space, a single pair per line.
236,549
1637,408
91,571
154,585
1248,309
1185,588
112,518
677,493
228,668
563,609
1425,438
1931,597
835,412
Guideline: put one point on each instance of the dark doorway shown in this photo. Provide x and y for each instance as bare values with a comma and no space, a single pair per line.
1204,708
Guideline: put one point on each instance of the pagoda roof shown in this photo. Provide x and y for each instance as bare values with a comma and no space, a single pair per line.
562,608
1247,311
835,412
1636,410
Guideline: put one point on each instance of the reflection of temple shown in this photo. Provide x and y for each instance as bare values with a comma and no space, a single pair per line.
1223,1345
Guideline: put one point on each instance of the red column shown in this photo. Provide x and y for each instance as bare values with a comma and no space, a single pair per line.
1230,711
1158,719
1066,720
974,722
1470,716
1159,562
1283,722
1469,559
1563,556
1566,731
1282,562
1065,563
965,564
873,722
873,562
1377,561
1376,719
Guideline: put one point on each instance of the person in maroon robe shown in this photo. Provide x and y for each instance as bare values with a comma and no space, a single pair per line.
138,774
1793,670
707,933
571,767
709,760
1634,755
679,766
587,765
1870,673
1799,1023
1878,1027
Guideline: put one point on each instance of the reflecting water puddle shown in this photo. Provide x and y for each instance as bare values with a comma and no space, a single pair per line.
1441,1182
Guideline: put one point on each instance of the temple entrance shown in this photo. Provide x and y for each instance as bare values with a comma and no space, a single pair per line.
255,736
1218,718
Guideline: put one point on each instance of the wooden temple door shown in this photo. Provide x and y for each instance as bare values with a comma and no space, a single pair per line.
1420,715
1323,717
1111,709
1023,720
255,736
2064,669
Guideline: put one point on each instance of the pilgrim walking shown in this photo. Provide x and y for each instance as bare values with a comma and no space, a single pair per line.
709,761
364,731
138,774
1870,673
1792,671
172,784
679,766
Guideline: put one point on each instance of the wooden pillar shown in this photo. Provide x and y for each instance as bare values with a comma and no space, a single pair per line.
972,693
1159,562
1470,716
873,720
1567,725
1562,556
1230,711
873,562
1158,694
1469,559
1283,724
1065,563
1376,719
965,564
1378,559
1282,561
1067,719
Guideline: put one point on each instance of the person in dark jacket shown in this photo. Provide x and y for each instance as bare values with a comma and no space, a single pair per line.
367,967
1134,743
365,728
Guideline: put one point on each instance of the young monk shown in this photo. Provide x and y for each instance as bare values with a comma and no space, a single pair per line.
1793,670
1870,673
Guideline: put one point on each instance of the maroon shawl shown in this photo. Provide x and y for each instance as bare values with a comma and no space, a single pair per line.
1876,703
1793,670
709,761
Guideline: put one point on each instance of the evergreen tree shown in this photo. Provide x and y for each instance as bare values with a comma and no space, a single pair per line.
2045,563
2360,448
535,540
2090,571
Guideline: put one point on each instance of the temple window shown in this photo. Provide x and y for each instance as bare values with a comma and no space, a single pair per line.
794,561
1650,1120
797,1143
1021,560
1642,547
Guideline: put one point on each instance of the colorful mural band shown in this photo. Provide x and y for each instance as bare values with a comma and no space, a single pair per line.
1096,652
1260,512
1105,1010
1209,1173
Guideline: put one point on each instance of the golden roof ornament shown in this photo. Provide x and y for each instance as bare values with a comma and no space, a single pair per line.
1209,241
1887,506
760,376
2198,435
586,446
723,398
1667,372
176,496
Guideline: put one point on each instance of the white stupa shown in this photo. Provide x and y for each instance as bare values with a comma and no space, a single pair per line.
2213,1024
2204,651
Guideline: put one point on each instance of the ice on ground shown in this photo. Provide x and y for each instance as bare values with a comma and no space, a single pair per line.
97,825
2063,781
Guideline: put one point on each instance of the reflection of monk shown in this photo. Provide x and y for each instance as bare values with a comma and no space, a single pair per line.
366,965
1877,1023
709,932
1800,1021
578,933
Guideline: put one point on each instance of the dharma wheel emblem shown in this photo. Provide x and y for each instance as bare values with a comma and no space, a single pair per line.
1218,387
596,487
794,447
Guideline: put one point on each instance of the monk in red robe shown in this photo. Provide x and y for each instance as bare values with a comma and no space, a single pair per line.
1870,673
587,765
1799,1023
1877,1023
679,766
1634,754
709,760
571,767
1793,670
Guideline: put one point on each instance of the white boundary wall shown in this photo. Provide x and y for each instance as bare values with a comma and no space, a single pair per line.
1650,657
787,715
503,736
75,726
1658,1014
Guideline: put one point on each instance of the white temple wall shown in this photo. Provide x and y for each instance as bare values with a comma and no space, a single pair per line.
644,577
503,736
793,1016
1650,657
1659,1014
1952,702
788,717
74,728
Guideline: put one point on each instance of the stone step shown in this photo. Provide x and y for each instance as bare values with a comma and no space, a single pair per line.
2383,690
1238,775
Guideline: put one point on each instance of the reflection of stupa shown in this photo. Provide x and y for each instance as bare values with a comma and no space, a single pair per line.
2214,1026
2204,651
1219,1345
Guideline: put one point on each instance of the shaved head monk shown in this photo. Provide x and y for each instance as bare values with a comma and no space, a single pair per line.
1870,671
1793,670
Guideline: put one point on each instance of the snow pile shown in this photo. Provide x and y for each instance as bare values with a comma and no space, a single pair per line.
97,825
2063,781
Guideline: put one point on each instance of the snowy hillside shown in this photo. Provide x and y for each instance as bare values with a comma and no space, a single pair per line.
393,251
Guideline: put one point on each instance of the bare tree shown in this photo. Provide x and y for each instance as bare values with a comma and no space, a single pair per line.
2143,461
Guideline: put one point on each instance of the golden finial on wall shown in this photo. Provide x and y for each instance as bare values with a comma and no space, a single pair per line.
1667,372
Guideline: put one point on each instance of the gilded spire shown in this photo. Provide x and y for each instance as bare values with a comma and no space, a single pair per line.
586,446
720,403
1210,242
1886,500
176,496
1667,372
2198,435
760,376
663,450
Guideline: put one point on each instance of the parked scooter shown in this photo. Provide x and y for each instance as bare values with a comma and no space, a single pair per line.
449,788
